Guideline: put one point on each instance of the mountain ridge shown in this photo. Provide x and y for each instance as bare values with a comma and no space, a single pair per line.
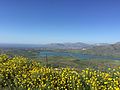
68,45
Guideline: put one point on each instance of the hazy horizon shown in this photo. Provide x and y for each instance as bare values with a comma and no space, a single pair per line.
59,21
60,43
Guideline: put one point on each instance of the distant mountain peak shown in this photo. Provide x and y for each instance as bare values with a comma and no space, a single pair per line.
118,43
101,44
78,45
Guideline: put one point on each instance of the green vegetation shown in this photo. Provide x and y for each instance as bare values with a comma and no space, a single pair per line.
112,50
29,53
37,72
19,73
58,61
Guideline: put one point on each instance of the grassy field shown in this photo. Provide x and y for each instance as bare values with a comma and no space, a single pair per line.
59,61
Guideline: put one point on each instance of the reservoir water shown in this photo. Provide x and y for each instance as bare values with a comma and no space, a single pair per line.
76,55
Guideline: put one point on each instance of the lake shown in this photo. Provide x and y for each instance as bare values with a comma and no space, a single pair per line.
76,55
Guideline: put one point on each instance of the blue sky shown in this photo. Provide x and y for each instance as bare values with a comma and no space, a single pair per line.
50,21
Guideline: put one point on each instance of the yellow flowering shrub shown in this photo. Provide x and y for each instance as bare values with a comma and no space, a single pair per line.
18,73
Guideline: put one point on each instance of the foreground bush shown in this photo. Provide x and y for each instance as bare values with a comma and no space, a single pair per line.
17,73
